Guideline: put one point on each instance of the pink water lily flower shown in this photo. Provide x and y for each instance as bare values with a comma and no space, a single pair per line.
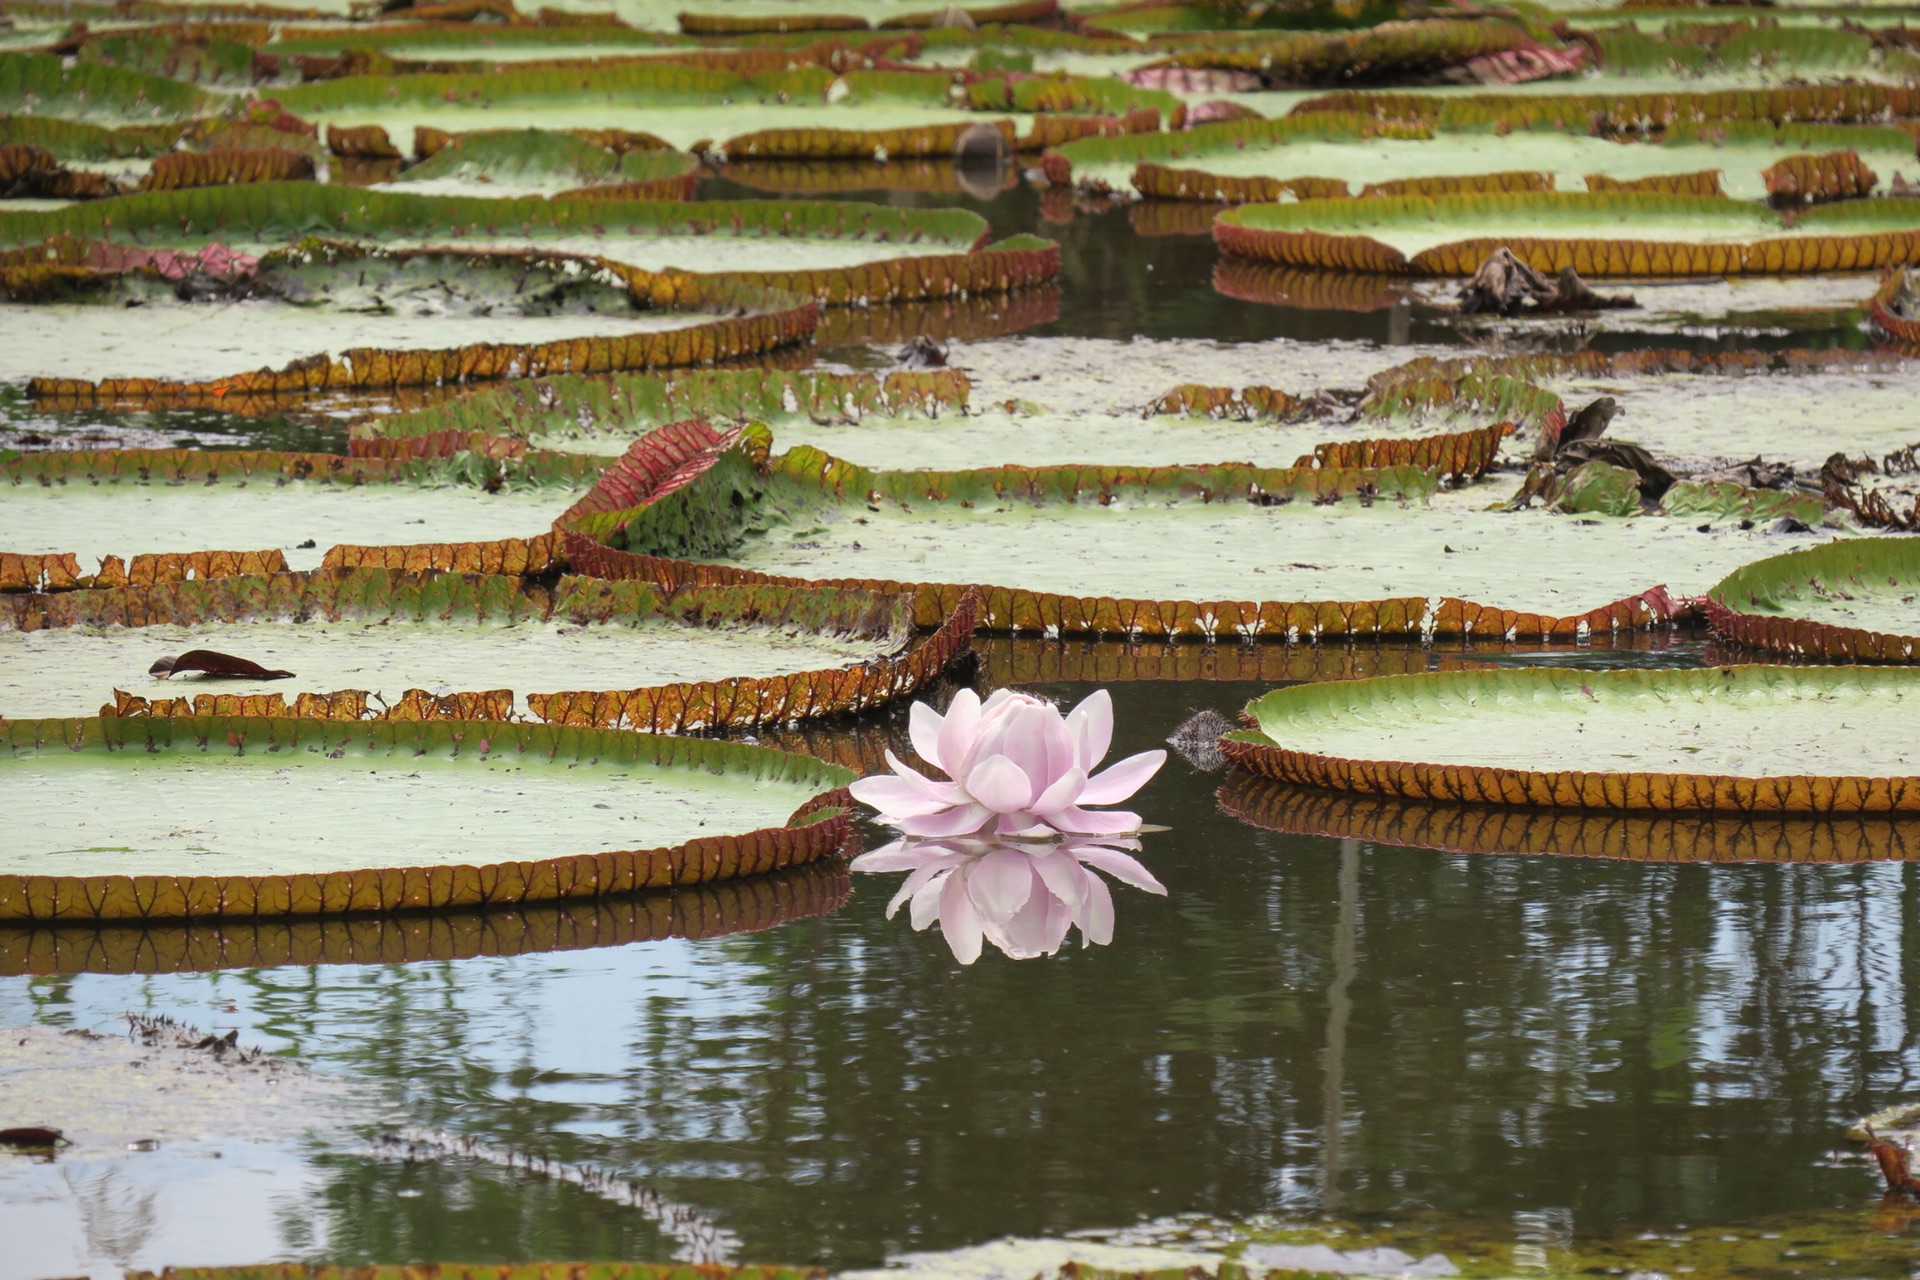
1018,767
1023,898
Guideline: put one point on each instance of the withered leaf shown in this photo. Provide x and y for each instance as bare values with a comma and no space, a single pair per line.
220,666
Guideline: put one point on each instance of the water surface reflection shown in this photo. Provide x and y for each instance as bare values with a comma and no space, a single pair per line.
1306,1022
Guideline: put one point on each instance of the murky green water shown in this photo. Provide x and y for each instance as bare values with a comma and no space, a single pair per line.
1475,1047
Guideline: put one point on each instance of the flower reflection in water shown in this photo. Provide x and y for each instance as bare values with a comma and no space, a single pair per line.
1021,896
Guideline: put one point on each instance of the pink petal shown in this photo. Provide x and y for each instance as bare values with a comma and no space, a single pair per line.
898,856
959,921
1110,786
926,901
961,820
1092,726
1120,867
1025,744
998,717
1032,931
910,887
944,792
1022,823
1095,916
1000,784
1065,791
1000,883
1091,822
1063,876
958,731
923,730
895,798
1063,753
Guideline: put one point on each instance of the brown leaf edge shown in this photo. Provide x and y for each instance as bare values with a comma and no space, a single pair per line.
1807,637
1630,791
61,571
1007,609
702,911
1593,258
817,829
1636,837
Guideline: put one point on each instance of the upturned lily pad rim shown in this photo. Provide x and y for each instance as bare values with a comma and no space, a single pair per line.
1752,605
1261,748
1512,831
815,830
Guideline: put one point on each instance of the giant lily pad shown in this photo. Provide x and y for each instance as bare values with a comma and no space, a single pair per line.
839,251
1637,111
1856,599
1202,551
1596,235
237,816
580,413
518,312
1362,166
707,658
119,503
1727,740
542,162
198,946
1633,837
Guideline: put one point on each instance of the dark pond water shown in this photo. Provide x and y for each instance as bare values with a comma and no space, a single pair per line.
1304,1026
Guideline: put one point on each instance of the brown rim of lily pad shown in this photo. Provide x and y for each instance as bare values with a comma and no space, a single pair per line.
202,946
762,320
376,595
1754,605
1551,692
816,830
676,456
908,142
1456,455
1634,837
1857,235
61,571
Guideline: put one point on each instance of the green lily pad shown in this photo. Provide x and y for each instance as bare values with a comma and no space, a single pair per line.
1735,739
230,815
139,502
1599,235
1856,598
536,161
386,633
728,236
